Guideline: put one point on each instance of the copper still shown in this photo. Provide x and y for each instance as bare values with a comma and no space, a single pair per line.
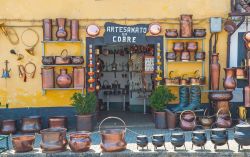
8,126
47,29
229,81
74,28
58,122
113,140
80,141
63,80
31,124
79,77
61,33
215,71
48,78
53,140
186,26
23,143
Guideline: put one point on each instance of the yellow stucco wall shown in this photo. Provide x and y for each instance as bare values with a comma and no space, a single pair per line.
29,94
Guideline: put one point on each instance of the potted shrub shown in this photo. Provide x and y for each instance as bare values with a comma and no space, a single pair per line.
85,107
158,100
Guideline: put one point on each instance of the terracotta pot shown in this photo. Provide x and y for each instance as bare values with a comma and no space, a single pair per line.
85,122
187,124
48,77
63,80
113,140
186,26
171,119
246,95
47,29
200,56
31,124
61,33
53,140
199,32
80,141
185,56
23,143
8,126
178,48
215,71
74,28
229,81
160,120
79,77
58,122
171,33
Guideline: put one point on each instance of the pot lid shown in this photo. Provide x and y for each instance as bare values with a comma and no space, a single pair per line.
158,135
178,134
244,125
199,132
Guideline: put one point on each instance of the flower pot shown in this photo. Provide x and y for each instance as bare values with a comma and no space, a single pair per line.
64,80
160,120
58,122
61,34
229,81
23,143
8,127
53,140
215,71
80,141
31,124
85,122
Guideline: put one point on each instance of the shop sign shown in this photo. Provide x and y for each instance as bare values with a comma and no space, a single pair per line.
132,34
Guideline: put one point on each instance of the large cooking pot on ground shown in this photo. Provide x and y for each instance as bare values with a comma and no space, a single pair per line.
199,138
242,135
80,141
219,137
23,143
177,139
113,140
187,120
142,141
158,140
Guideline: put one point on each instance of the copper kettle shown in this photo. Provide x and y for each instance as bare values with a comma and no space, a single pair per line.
187,120
224,119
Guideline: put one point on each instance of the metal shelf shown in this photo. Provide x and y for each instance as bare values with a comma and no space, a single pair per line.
61,41
184,85
63,88
68,65
185,61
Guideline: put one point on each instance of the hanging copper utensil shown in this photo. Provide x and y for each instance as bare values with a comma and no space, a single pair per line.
114,66
8,32
230,26
6,71
31,48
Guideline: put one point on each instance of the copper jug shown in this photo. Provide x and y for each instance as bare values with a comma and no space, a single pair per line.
113,140
187,120
74,28
186,26
64,80
230,81
79,77
215,71
48,78
61,33
47,29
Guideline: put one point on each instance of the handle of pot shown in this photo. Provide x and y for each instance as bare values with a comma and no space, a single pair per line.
111,117
188,111
221,110
64,53
205,112
116,82
175,129
182,77
105,82
196,74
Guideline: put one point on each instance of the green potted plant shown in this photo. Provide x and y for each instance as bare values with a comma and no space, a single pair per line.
85,108
158,100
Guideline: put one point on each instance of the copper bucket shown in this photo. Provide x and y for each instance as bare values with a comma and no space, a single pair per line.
113,140
48,77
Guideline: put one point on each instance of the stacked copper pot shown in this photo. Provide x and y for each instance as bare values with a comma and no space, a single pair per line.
61,32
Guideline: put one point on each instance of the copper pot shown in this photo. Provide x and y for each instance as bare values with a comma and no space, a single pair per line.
215,71
246,95
206,121
194,81
241,72
186,26
224,119
64,80
171,33
61,33
23,143
178,47
192,46
74,27
80,141
246,36
185,56
31,124
202,80
229,81
190,123
199,32
168,81
77,60
184,81
85,122
171,56
53,140
58,122
8,126
113,140
47,29
48,60
79,77
200,56
230,26
48,78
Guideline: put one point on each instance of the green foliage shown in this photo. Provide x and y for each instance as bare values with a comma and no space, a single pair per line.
160,97
84,104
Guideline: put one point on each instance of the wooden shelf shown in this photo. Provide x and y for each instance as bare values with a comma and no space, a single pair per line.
61,41
193,38
68,65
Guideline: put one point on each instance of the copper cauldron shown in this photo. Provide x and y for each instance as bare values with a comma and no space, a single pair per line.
53,140
31,124
8,127
113,140
80,141
23,143
206,121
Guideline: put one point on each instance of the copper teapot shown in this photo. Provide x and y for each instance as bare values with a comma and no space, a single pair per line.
223,119
187,120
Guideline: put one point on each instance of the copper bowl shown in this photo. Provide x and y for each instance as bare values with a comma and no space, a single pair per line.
206,121
178,46
199,32
171,33
171,56
192,46
200,56
23,143
80,141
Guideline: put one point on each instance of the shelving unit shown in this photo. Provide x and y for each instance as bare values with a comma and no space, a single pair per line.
44,43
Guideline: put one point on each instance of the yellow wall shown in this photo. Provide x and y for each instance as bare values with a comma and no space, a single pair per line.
29,94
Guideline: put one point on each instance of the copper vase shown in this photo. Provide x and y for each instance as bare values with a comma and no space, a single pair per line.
47,29
64,80
229,81
61,33
8,127
246,95
215,71
74,28
48,78
186,26
178,47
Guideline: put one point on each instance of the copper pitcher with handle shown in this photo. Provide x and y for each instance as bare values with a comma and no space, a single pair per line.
187,120
224,119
